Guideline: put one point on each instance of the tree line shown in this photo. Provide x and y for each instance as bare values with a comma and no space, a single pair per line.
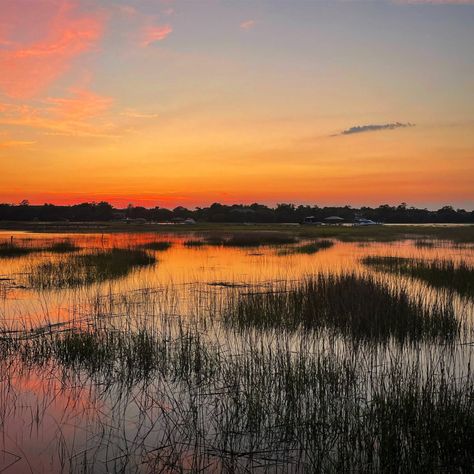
236,213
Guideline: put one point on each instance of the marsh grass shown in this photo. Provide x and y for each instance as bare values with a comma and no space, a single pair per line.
438,273
158,246
357,306
288,405
88,268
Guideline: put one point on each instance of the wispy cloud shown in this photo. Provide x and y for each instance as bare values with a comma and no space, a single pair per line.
72,116
61,33
15,143
137,114
248,24
151,34
373,128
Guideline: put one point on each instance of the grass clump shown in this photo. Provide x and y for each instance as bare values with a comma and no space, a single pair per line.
311,248
438,273
88,268
159,246
359,307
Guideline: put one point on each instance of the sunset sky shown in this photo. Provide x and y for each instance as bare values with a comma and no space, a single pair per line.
160,102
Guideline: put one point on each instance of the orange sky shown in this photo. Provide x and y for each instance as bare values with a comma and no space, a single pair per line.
167,103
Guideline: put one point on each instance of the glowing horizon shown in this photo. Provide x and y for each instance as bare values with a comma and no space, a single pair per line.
187,103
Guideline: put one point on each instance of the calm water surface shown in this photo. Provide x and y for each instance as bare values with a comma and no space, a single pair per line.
49,423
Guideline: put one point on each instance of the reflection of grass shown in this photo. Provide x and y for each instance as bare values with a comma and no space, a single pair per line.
159,246
310,248
359,307
89,268
438,273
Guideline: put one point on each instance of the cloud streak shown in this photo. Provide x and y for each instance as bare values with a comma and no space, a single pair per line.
373,128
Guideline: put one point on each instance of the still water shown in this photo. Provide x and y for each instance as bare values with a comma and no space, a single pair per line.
53,421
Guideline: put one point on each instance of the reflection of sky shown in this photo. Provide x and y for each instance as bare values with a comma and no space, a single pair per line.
190,102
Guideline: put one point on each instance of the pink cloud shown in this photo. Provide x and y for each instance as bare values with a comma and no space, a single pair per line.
41,39
247,24
82,104
151,34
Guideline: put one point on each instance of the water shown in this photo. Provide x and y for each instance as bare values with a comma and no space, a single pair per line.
54,419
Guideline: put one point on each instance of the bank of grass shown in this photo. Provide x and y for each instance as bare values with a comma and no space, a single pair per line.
157,246
359,307
94,267
438,273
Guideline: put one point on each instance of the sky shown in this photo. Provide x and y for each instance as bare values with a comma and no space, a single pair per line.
190,102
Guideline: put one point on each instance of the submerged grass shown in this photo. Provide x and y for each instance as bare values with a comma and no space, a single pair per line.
438,273
88,268
356,306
